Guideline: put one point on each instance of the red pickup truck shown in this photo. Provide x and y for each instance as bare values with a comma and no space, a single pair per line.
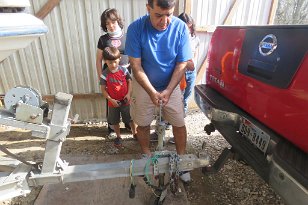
256,96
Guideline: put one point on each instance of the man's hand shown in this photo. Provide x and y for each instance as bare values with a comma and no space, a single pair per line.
190,65
165,96
155,97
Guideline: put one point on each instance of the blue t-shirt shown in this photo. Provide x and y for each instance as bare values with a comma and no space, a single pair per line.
159,50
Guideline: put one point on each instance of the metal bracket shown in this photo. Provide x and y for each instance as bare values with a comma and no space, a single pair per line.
29,113
219,163
59,133
15,183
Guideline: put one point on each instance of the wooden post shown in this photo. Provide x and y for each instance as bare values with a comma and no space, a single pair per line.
47,8
187,8
176,8
272,14
200,72
233,8
50,98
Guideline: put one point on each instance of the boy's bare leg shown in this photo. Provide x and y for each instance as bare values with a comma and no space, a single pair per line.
144,139
116,129
180,137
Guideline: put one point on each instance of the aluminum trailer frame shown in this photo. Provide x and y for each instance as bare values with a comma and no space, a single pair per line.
18,178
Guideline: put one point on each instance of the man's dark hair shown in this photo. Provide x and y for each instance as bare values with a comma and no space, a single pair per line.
164,4
188,19
111,53
113,15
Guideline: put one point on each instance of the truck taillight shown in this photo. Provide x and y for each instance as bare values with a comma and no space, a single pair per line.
208,59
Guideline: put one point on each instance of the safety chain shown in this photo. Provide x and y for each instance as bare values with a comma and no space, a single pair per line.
132,181
173,172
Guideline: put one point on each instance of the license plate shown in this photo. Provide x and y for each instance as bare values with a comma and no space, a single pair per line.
254,134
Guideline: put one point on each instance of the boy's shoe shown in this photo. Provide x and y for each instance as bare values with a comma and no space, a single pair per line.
185,176
110,128
171,140
112,136
117,142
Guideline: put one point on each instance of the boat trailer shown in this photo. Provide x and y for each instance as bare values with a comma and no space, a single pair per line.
25,109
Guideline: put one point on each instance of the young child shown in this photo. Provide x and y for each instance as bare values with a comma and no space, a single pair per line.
114,36
116,87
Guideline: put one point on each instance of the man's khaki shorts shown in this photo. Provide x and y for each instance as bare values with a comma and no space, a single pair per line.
142,109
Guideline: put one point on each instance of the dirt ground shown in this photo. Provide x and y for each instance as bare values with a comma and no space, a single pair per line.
234,184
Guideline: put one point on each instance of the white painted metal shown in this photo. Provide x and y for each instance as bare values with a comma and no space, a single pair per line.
29,113
59,130
15,183
18,32
21,95
14,3
40,131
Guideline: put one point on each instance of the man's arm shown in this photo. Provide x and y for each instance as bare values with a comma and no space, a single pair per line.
175,80
143,80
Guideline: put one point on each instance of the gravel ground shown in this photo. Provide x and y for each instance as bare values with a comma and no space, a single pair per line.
235,184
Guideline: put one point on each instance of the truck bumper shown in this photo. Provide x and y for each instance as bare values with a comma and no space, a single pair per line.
226,118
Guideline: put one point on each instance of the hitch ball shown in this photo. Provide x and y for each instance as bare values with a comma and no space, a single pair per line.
209,128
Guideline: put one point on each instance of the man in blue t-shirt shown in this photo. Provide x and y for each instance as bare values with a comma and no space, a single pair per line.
158,48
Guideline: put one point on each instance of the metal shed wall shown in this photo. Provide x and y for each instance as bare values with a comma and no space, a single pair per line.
213,12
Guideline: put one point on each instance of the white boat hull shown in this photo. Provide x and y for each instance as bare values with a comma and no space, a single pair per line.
14,3
18,30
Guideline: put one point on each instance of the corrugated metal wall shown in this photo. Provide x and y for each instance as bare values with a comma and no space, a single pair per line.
212,12
64,59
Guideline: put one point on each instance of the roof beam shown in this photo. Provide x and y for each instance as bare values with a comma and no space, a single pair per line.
272,14
233,7
187,7
47,8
